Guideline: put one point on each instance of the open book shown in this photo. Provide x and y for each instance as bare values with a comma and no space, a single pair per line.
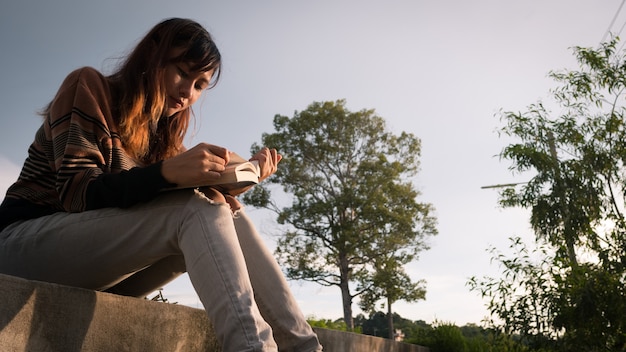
239,175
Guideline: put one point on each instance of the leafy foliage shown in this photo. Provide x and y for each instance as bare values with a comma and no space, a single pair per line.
522,299
353,206
337,324
442,336
572,297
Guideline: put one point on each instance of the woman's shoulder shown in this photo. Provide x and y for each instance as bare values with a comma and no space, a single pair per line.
85,88
85,74
85,79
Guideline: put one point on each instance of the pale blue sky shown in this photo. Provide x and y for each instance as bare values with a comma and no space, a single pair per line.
438,69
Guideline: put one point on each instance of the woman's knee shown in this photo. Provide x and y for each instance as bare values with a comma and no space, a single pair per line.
213,194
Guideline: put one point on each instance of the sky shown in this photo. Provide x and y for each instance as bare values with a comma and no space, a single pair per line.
442,70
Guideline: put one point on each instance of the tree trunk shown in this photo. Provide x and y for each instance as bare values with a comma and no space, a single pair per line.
346,297
347,306
568,231
390,320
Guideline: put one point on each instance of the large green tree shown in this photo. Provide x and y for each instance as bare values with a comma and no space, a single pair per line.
569,293
350,184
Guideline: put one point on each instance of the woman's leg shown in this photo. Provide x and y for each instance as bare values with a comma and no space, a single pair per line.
223,262
151,278
99,249
274,298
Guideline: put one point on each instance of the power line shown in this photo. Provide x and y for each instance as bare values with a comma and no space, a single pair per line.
504,185
608,30
621,47
621,29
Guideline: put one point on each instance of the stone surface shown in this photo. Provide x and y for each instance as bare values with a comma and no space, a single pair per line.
38,317
44,317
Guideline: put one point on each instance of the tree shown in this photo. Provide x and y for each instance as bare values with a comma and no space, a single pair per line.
576,197
522,298
390,281
349,180
338,324
376,324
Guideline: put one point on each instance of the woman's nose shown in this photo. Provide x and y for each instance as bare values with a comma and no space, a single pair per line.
185,90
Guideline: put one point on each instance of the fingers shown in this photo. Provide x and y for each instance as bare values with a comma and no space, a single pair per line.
268,161
266,157
211,156
206,161
196,165
270,155
218,151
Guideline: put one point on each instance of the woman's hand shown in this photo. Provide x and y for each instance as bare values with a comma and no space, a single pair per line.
195,166
268,162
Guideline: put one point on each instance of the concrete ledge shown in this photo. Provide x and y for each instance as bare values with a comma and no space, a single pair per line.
41,317
341,341
44,317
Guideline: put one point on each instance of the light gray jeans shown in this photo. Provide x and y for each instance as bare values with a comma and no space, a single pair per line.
137,250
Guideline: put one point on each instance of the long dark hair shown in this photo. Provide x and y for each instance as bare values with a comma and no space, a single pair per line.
139,92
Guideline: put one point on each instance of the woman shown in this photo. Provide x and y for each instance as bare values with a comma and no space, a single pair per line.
90,209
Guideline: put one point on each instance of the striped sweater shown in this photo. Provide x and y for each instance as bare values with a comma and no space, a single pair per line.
77,162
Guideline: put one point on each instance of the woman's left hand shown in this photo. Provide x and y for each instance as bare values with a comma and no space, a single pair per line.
268,162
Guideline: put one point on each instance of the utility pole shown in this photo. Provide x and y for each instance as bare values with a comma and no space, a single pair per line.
568,231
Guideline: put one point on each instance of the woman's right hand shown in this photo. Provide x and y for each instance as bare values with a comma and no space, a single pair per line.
195,166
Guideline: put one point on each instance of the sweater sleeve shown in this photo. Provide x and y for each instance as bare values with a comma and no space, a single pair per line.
126,188
92,169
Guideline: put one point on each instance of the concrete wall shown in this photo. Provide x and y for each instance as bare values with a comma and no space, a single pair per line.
41,317
340,341
44,317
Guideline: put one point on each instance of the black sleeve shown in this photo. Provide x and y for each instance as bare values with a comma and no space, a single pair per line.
126,188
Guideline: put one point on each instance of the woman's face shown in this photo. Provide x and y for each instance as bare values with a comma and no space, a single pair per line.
183,86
